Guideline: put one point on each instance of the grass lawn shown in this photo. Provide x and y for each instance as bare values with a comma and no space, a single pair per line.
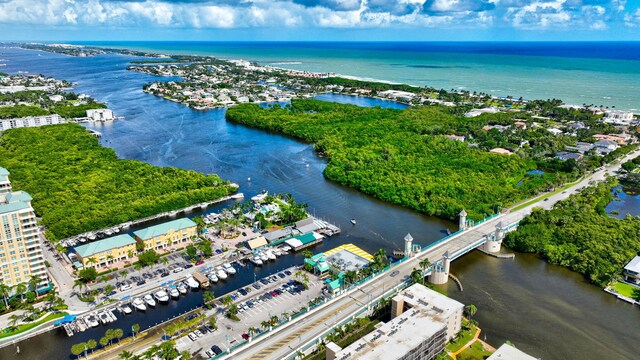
29,326
624,289
541,198
474,352
462,340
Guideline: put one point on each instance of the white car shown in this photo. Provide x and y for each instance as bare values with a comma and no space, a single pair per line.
192,336
198,333
125,287
210,353
177,269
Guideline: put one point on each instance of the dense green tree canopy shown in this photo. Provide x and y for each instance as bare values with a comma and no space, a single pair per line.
78,185
401,156
578,234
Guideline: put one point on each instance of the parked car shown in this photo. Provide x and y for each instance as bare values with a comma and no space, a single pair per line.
287,272
187,265
216,349
192,336
264,281
245,336
242,292
200,262
198,333
282,275
395,273
177,269
256,286
141,282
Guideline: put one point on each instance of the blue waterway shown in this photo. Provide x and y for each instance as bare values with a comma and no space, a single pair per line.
579,73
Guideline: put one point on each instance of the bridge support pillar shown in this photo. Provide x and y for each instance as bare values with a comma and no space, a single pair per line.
440,271
408,246
494,243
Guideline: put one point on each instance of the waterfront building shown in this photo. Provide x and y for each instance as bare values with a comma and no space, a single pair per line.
422,323
107,251
21,256
508,352
300,242
100,115
618,117
347,257
30,121
631,271
167,234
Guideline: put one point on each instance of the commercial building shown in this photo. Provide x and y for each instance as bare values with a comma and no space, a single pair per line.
21,256
422,323
508,352
107,251
30,121
167,234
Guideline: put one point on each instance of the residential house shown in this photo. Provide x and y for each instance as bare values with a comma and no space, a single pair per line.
631,271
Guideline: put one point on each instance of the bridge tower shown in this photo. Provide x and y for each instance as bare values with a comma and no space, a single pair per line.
408,247
463,220
494,243
440,270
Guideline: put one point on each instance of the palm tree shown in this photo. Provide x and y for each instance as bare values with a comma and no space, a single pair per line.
164,261
92,261
125,355
13,319
307,253
284,316
471,310
227,300
251,331
118,334
417,276
265,324
382,255
130,253
208,297
21,289
4,291
110,334
33,284
135,328
274,320
91,344
425,264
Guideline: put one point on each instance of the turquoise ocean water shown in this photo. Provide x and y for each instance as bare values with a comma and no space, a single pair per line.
578,73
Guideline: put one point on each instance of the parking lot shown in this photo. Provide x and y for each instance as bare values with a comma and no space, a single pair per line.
259,302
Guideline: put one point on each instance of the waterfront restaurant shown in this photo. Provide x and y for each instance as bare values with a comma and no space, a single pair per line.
167,234
106,251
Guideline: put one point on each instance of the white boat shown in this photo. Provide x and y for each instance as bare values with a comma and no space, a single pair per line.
256,260
91,237
92,320
149,300
182,289
126,309
260,196
229,269
213,277
353,221
193,284
104,318
116,230
263,257
237,196
112,315
139,304
174,293
82,240
220,273
270,255
108,232
286,248
161,296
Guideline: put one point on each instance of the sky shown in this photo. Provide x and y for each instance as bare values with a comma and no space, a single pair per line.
319,20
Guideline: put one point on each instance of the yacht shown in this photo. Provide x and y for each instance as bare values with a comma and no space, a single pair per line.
229,269
149,300
270,255
193,284
92,320
139,304
353,221
91,237
260,196
161,296
174,293
237,196
220,273
286,248
182,289
256,260
104,318
126,309
263,257
277,252
212,276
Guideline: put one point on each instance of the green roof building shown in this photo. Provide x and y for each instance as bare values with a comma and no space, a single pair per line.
167,234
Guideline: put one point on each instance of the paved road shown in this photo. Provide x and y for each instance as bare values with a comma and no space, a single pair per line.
280,344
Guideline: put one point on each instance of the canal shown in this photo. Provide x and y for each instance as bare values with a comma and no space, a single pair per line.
544,310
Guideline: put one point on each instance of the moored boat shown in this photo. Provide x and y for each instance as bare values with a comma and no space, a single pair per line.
139,304
149,300
256,260
174,293
229,269
193,284
220,273
213,277
182,289
161,296
126,309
